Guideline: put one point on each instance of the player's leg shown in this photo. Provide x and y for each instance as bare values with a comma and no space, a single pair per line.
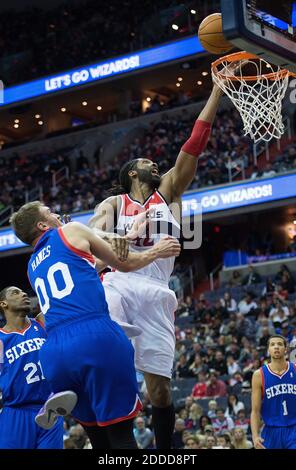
17,429
163,412
98,437
51,438
154,355
121,435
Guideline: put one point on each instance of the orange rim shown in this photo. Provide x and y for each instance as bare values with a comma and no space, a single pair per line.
246,56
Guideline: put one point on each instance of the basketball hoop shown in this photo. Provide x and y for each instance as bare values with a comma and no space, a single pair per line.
257,95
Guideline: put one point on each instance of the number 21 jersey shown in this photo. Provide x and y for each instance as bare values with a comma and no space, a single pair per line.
21,377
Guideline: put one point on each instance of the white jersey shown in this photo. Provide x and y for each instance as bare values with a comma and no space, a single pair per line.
161,224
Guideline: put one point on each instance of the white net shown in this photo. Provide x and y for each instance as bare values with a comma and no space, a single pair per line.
257,96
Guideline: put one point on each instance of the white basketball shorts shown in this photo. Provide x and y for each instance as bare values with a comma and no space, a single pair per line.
145,308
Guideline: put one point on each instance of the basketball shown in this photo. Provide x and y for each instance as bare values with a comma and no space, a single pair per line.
211,36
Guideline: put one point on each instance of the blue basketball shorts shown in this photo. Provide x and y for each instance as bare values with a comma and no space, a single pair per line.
94,358
18,430
276,437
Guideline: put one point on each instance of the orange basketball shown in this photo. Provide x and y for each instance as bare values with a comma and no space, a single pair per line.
211,36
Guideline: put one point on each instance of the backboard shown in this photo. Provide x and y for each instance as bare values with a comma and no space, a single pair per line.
263,27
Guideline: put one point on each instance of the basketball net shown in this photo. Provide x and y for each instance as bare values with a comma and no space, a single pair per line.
257,96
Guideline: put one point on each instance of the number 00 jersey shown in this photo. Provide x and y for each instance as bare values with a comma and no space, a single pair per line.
161,224
279,396
65,281
21,377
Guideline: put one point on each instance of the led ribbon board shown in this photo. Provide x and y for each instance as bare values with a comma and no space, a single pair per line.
102,70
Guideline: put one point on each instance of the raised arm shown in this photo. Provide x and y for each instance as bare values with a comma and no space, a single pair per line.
83,238
256,410
182,174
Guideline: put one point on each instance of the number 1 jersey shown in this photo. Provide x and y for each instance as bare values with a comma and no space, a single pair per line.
279,396
21,377
65,280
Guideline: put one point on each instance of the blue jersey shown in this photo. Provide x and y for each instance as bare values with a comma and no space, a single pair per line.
21,378
279,396
65,281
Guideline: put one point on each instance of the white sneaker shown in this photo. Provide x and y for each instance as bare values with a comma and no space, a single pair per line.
58,404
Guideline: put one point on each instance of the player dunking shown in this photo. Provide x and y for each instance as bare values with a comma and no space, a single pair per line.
86,351
143,299
22,382
274,399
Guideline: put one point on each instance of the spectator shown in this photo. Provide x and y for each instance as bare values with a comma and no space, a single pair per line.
78,436
239,439
219,363
232,365
242,421
252,277
215,388
222,422
210,442
192,442
247,304
228,302
205,424
212,412
144,436
182,368
233,406
194,416
236,280
178,433
200,388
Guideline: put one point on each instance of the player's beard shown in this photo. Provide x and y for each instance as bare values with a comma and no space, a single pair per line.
145,176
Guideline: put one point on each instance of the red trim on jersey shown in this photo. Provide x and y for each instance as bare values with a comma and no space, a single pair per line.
279,375
263,382
294,366
133,414
20,332
138,407
81,253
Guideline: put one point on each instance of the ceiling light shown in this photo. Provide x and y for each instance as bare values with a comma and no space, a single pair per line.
16,125
37,116
99,108
84,103
294,222
199,82
16,121
175,27
178,84
63,110
148,99
180,79
193,11
40,123
205,73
